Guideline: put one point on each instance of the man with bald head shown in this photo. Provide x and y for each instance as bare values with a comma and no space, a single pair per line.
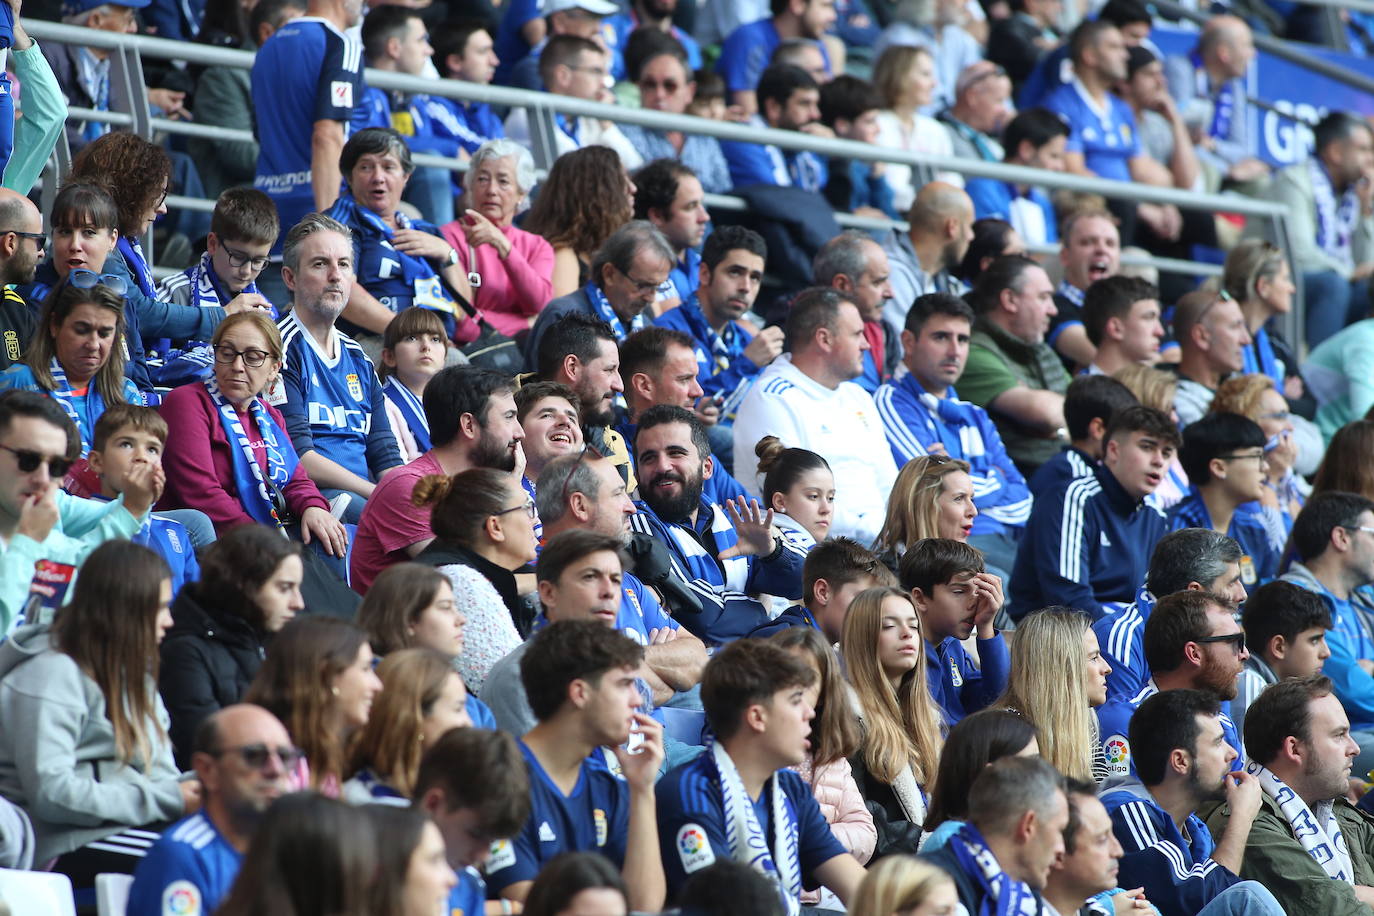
941,228
982,107
21,248
244,760
1209,87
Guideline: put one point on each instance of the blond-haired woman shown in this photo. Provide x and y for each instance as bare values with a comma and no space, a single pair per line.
931,498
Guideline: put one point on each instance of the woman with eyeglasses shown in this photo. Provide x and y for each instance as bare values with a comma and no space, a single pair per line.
232,458
932,498
399,262
483,523
249,588
75,357
587,197
83,750
318,680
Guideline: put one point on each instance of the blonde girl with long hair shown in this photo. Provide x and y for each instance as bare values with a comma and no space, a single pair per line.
1058,675
884,656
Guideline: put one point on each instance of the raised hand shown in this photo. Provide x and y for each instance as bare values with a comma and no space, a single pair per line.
753,526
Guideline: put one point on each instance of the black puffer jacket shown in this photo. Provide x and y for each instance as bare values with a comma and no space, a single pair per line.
209,657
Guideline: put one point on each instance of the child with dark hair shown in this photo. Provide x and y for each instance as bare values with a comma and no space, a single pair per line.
1285,631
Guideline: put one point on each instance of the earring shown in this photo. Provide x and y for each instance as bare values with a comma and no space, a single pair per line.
334,690
422,738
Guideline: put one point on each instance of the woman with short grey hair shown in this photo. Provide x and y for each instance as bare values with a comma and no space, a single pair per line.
509,269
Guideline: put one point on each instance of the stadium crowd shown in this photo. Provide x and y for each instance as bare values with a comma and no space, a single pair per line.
415,542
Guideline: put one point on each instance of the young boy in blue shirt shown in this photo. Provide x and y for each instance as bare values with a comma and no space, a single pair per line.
127,435
738,801
580,679
474,787
954,595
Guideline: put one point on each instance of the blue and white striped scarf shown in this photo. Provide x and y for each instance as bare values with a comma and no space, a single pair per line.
1317,831
744,833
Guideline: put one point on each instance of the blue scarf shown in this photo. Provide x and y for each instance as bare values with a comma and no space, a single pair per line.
727,345
1335,219
951,415
602,306
206,291
138,264
1002,895
62,393
1070,292
248,477
1223,103
411,408
415,274
1260,358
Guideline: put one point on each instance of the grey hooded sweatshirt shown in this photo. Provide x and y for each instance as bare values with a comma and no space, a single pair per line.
57,752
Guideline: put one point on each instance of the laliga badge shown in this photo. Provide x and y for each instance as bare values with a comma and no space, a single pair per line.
1247,571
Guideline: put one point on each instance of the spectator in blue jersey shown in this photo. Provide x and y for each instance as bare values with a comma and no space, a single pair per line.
856,265
1091,251
745,53
924,258
243,229
127,436
754,693
249,588
509,270
955,597
1192,640
22,246
627,272
245,760
306,80
789,99
1285,626
670,197
1223,454
395,40
836,570
582,575
1111,529
1002,856
1035,138
1185,761
464,50
473,785
1132,17
1330,201
849,107
666,83
1190,559
398,262
422,698
328,389
1090,402
577,18
580,679
647,14
1334,557
1121,316
74,356
729,356
723,559
578,68
922,415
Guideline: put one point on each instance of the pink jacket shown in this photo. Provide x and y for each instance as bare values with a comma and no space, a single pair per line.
838,796
514,290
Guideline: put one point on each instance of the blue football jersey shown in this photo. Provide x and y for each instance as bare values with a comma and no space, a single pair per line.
189,870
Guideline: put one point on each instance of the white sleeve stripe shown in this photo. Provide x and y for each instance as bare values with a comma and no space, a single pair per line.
1121,634
898,433
1071,536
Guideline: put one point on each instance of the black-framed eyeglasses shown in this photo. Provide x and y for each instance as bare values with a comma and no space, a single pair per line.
640,285
29,461
257,755
527,505
82,278
37,238
225,356
239,258
1260,457
1236,641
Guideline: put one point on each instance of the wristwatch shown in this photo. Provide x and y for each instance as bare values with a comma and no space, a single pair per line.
452,257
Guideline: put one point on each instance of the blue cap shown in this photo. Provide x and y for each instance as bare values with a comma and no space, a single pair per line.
76,7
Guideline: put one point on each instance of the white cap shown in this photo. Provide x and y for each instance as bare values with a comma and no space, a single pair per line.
595,7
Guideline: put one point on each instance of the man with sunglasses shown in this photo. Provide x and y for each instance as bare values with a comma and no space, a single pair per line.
21,248
245,761
1333,546
627,272
1193,641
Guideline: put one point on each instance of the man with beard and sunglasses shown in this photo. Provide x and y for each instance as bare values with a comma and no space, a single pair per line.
245,760
1192,641
1184,762
472,424
722,554
21,248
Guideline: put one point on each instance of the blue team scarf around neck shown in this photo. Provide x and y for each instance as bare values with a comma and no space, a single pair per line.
63,393
255,491
726,345
416,273
744,834
1002,895
206,291
951,413
603,309
138,264
1259,357
1223,102
411,408
1335,219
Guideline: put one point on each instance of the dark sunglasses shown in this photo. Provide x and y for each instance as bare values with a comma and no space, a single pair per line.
29,461
1237,641
257,755
37,237
82,278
